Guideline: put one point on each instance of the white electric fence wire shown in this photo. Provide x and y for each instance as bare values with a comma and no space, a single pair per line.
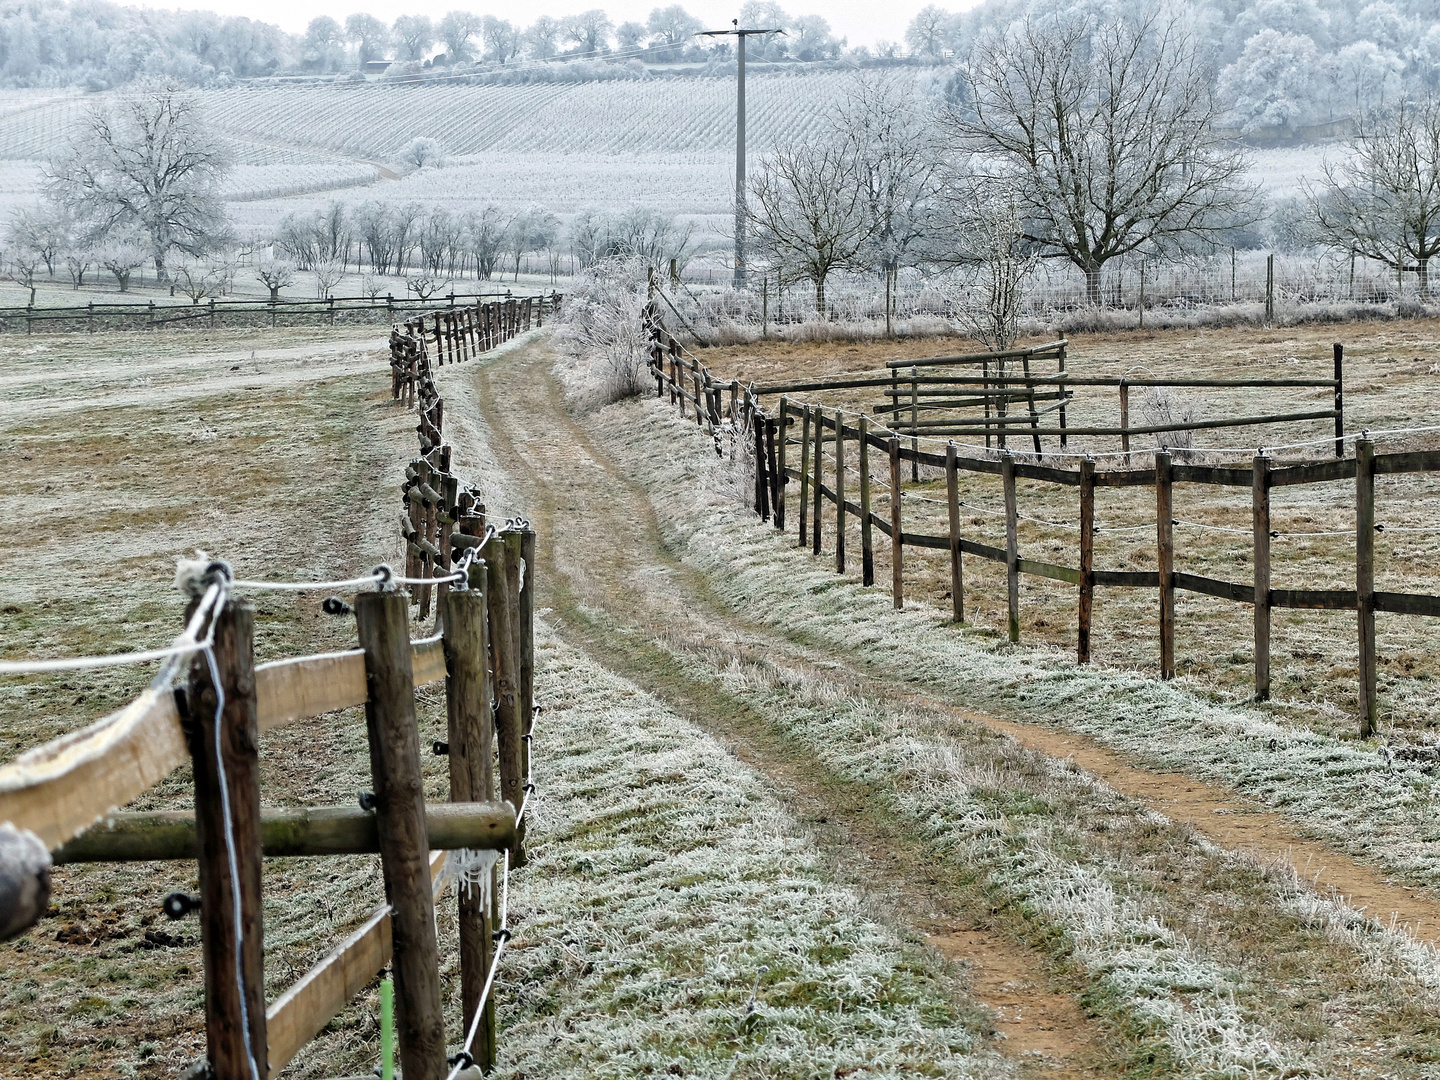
185,645
238,914
376,576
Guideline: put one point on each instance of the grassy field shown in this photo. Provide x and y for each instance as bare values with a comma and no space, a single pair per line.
284,455
1389,379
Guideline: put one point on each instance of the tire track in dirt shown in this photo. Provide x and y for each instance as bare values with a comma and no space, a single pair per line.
609,604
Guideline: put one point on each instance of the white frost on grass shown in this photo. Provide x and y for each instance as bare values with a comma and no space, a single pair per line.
672,917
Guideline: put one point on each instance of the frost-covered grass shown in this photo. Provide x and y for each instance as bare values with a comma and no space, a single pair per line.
1215,961
673,919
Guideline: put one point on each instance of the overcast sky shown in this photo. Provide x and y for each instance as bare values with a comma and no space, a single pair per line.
862,21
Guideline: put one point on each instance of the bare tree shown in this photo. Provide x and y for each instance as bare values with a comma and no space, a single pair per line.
590,30
328,273
25,272
275,274
995,260
809,213
485,237
1110,127
44,230
882,123
149,163
421,151
121,257
199,278
1383,199
424,285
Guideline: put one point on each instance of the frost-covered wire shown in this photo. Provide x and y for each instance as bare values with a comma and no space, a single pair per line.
185,645
379,576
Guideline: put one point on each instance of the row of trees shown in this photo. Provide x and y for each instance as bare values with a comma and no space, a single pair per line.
1279,64
1077,137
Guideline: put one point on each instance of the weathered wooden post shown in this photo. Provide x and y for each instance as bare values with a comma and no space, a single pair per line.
1339,400
952,501
1260,512
867,542
777,484
915,424
471,750
762,496
781,479
400,820
1125,420
1165,555
1087,558
1365,580
224,749
804,469
839,492
1012,545
505,662
526,633
897,539
815,493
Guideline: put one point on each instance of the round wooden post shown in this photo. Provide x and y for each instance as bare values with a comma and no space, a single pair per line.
1339,401
1365,580
782,436
1012,546
225,754
897,539
839,492
952,501
1260,503
400,819
471,751
867,540
1165,552
804,469
1087,558
816,495
505,661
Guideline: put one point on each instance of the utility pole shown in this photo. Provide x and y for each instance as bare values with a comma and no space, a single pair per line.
739,35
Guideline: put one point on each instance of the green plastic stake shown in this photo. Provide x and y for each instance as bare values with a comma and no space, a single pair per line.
387,1029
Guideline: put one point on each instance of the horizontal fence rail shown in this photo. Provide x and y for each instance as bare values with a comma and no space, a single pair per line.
771,437
58,801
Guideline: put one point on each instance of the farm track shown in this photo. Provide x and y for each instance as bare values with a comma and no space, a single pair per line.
616,588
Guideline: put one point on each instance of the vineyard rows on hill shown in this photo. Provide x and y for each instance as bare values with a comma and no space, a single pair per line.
621,117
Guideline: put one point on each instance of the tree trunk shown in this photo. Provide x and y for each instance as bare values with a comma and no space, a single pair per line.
1422,267
1092,285
820,295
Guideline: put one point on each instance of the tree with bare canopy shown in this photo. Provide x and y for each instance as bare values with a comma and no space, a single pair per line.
147,162
1382,200
1108,128
809,211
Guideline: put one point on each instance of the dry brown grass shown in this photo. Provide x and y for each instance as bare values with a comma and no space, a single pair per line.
1390,377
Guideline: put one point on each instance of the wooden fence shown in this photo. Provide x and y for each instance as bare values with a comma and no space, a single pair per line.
769,441
61,798
217,313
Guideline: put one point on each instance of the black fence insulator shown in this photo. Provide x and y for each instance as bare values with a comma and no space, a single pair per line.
177,905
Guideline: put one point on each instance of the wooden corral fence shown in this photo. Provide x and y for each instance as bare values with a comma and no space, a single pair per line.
210,703
215,313
770,439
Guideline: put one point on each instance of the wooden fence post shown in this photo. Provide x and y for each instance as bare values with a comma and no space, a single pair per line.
384,626
1012,545
839,492
762,495
804,468
225,753
867,542
471,749
952,501
1339,400
915,424
1260,501
1125,420
505,662
1087,558
815,494
526,631
781,479
1165,554
897,538
1365,580
776,484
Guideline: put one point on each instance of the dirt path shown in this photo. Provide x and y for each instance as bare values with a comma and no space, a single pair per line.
617,590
